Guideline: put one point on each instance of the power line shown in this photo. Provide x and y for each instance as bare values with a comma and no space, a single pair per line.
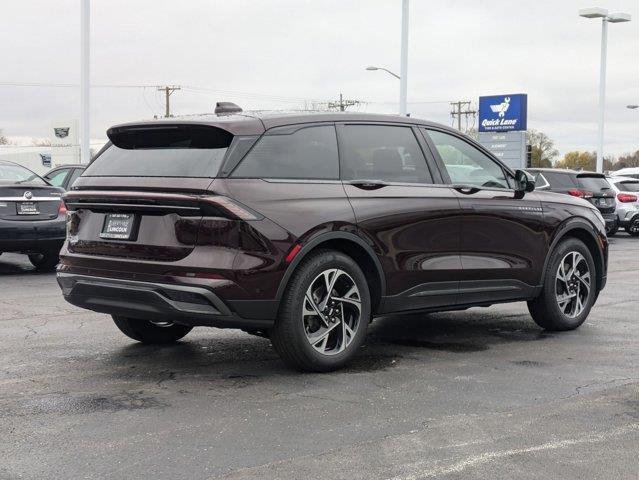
342,104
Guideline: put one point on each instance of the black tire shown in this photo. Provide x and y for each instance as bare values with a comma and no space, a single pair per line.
146,331
545,309
45,261
613,230
631,232
289,335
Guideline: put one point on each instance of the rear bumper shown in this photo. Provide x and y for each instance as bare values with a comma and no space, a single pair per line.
184,304
610,219
32,235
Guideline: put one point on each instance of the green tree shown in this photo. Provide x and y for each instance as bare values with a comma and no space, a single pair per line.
543,149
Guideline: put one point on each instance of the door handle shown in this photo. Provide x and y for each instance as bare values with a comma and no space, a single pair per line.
368,184
466,189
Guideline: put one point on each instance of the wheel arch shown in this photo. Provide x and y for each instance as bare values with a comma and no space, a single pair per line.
351,245
582,230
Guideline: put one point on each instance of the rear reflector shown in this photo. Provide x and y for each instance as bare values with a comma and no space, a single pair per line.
626,197
62,209
293,253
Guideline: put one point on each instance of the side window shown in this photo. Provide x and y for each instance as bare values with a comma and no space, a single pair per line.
560,180
76,173
465,164
307,153
540,181
57,179
380,152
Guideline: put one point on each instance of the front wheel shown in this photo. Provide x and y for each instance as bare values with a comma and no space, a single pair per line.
147,331
324,313
570,288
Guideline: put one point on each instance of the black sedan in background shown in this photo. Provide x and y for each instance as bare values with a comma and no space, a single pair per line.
32,216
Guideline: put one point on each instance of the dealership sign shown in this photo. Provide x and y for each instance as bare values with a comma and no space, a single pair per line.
503,113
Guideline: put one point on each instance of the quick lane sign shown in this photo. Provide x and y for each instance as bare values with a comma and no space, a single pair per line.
503,113
509,147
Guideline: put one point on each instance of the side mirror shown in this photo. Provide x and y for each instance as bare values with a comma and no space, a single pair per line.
524,182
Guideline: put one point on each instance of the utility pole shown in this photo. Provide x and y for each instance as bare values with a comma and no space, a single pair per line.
342,104
168,90
461,108
403,80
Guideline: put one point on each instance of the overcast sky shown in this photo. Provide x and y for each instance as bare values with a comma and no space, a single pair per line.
284,54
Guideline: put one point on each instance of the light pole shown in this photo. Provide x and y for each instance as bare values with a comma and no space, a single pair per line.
618,17
85,52
403,57
632,107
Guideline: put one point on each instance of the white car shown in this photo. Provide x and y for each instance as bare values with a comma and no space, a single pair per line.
627,193
631,172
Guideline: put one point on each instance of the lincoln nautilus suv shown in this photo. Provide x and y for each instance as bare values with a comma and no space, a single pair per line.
303,227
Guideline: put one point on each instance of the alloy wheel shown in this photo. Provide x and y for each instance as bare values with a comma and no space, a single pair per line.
331,311
572,286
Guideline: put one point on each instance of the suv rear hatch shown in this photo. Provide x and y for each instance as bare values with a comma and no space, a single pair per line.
145,195
596,189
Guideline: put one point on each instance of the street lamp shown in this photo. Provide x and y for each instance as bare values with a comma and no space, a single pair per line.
632,107
617,17
371,68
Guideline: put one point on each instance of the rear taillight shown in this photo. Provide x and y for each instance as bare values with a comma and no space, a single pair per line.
62,209
580,193
626,197
232,207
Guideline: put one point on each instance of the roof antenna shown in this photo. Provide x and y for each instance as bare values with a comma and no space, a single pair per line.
226,108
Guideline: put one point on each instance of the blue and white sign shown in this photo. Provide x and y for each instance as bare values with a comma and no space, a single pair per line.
503,113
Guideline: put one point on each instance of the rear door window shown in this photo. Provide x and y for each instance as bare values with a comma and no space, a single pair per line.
382,152
58,177
286,153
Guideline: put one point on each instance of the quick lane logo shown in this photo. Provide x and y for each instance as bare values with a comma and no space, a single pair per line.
501,113
501,108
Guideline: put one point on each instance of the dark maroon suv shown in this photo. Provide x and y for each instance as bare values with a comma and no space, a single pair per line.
304,227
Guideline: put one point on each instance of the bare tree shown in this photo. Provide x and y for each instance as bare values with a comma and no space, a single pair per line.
543,148
4,140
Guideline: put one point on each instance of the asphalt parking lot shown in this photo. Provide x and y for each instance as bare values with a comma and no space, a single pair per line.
478,394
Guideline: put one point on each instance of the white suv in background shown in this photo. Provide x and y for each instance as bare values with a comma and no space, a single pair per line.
627,193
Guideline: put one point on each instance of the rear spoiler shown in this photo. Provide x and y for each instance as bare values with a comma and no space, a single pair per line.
164,135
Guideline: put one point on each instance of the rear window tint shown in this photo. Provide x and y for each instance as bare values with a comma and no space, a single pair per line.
162,151
628,186
593,184
307,153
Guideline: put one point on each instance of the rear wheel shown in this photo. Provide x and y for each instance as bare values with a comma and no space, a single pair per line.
569,290
45,261
147,331
324,313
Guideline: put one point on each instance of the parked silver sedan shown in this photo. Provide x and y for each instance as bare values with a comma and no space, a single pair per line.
627,193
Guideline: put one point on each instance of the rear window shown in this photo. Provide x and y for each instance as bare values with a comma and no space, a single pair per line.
166,151
628,186
593,184
13,174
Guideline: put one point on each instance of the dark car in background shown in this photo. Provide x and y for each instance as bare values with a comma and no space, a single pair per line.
64,175
304,227
590,186
32,216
